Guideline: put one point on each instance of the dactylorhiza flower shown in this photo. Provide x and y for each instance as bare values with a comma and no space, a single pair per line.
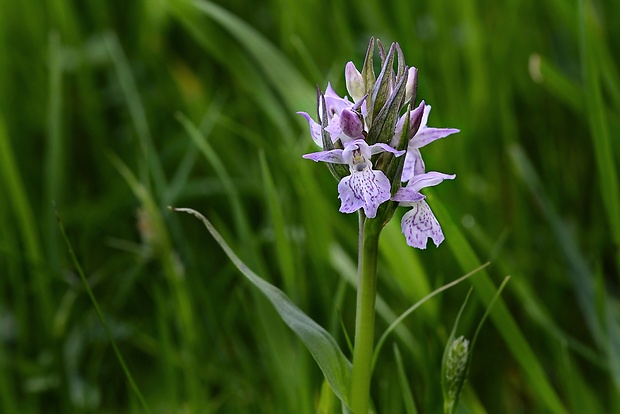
339,111
414,164
350,130
364,188
419,223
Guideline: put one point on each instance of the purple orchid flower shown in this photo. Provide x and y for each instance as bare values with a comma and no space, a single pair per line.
419,223
364,188
340,114
414,165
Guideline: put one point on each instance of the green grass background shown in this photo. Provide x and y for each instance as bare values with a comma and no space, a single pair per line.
115,110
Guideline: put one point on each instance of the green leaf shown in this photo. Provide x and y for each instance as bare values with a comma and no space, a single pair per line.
324,349
606,332
78,267
283,76
409,311
404,384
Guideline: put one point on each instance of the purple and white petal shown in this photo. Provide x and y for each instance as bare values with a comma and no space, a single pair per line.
363,189
427,111
428,179
349,150
407,195
419,223
335,104
427,135
413,165
315,129
414,115
333,128
380,147
334,156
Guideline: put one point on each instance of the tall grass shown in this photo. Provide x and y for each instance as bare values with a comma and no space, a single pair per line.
115,111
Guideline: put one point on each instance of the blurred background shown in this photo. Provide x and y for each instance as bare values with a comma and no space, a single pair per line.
114,110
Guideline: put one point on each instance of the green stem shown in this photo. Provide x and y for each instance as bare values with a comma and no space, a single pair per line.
365,317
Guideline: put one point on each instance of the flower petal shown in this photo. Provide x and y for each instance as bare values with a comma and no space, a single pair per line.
427,111
333,128
367,188
407,195
413,165
429,179
315,129
427,135
335,104
415,122
419,224
351,146
334,156
380,147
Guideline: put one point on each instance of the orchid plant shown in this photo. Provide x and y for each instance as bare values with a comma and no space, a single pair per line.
377,135
371,143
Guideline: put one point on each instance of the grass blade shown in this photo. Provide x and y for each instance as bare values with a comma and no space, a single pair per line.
326,352
117,352
404,384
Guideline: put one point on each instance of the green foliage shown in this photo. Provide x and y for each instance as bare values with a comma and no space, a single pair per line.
335,366
114,111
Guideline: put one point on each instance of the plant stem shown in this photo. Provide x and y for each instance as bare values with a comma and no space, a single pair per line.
365,317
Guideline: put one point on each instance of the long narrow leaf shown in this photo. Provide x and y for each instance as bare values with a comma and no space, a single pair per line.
326,352
102,319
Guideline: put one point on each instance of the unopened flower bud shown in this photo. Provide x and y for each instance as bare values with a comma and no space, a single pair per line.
350,124
354,81
456,367
412,85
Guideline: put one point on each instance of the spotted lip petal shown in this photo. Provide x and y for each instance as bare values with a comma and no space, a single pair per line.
365,189
419,224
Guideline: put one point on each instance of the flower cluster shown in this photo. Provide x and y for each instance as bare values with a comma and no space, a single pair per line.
378,135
